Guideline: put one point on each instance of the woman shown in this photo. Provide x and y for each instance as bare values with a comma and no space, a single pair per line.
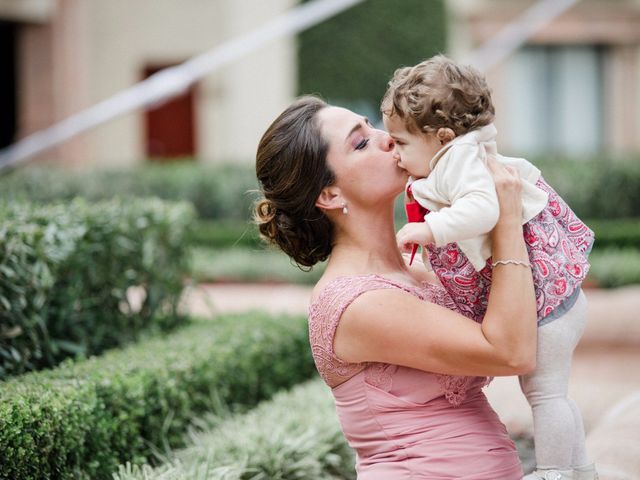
406,369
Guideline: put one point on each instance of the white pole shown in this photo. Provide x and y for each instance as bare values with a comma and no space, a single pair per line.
172,81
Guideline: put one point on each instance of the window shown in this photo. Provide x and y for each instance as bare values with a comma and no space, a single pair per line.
555,99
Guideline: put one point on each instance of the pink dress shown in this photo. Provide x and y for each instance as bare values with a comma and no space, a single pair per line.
405,423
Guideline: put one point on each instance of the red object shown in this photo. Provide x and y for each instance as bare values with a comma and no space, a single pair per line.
415,213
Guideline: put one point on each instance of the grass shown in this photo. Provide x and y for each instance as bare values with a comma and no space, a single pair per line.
241,264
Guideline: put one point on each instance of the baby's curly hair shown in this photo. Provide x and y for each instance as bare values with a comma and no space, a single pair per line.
439,93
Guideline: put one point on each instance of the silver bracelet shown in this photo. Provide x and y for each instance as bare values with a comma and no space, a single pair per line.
513,262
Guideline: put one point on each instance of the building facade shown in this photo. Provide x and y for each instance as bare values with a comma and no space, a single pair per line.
71,54
573,88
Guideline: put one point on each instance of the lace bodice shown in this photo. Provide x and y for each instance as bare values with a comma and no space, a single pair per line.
324,316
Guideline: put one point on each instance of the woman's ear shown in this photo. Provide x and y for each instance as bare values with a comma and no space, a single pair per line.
445,135
330,198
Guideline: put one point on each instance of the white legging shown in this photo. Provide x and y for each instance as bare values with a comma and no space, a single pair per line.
557,423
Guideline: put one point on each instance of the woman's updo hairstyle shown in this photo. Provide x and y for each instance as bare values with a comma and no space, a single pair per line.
291,166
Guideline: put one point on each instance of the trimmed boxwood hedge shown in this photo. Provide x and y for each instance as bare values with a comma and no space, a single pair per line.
616,233
216,191
83,419
66,273
614,267
603,187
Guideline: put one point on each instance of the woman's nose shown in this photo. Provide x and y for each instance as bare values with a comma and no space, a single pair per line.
386,141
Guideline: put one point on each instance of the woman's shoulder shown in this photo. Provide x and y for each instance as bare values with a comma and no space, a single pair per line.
336,292
331,286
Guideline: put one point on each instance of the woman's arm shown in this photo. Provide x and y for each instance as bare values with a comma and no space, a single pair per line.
392,326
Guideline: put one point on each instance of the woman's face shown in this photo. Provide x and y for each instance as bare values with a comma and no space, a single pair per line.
362,158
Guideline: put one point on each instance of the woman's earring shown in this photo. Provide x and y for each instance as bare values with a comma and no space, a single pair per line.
345,210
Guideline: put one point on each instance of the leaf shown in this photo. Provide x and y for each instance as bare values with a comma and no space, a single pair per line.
70,347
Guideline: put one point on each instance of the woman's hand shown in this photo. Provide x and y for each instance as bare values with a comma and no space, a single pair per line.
509,190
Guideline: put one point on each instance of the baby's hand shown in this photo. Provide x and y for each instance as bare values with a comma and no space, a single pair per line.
412,233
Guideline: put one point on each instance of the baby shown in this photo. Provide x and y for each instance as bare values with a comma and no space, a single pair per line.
440,116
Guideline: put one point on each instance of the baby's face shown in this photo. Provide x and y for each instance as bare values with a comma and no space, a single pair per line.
413,150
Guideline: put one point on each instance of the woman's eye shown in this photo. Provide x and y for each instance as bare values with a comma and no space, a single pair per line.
361,144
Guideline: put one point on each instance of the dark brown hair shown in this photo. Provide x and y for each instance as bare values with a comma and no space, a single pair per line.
291,166
439,93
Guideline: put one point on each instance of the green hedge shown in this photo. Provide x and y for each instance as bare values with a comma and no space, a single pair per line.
595,188
600,188
66,272
83,419
216,191
280,439
615,267
616,233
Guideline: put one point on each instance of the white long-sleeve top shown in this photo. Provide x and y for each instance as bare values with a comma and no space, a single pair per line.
460,193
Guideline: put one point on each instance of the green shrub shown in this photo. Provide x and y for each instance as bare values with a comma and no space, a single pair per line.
601,188
280,439
83,419
615,267
617,233
216,191
67,273
595,188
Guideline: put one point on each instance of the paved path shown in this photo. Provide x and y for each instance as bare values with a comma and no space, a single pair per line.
605,381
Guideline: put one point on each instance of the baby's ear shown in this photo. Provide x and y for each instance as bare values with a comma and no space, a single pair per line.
445,135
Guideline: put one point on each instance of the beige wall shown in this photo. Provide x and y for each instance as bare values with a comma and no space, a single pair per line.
90,50
75,53
232,104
